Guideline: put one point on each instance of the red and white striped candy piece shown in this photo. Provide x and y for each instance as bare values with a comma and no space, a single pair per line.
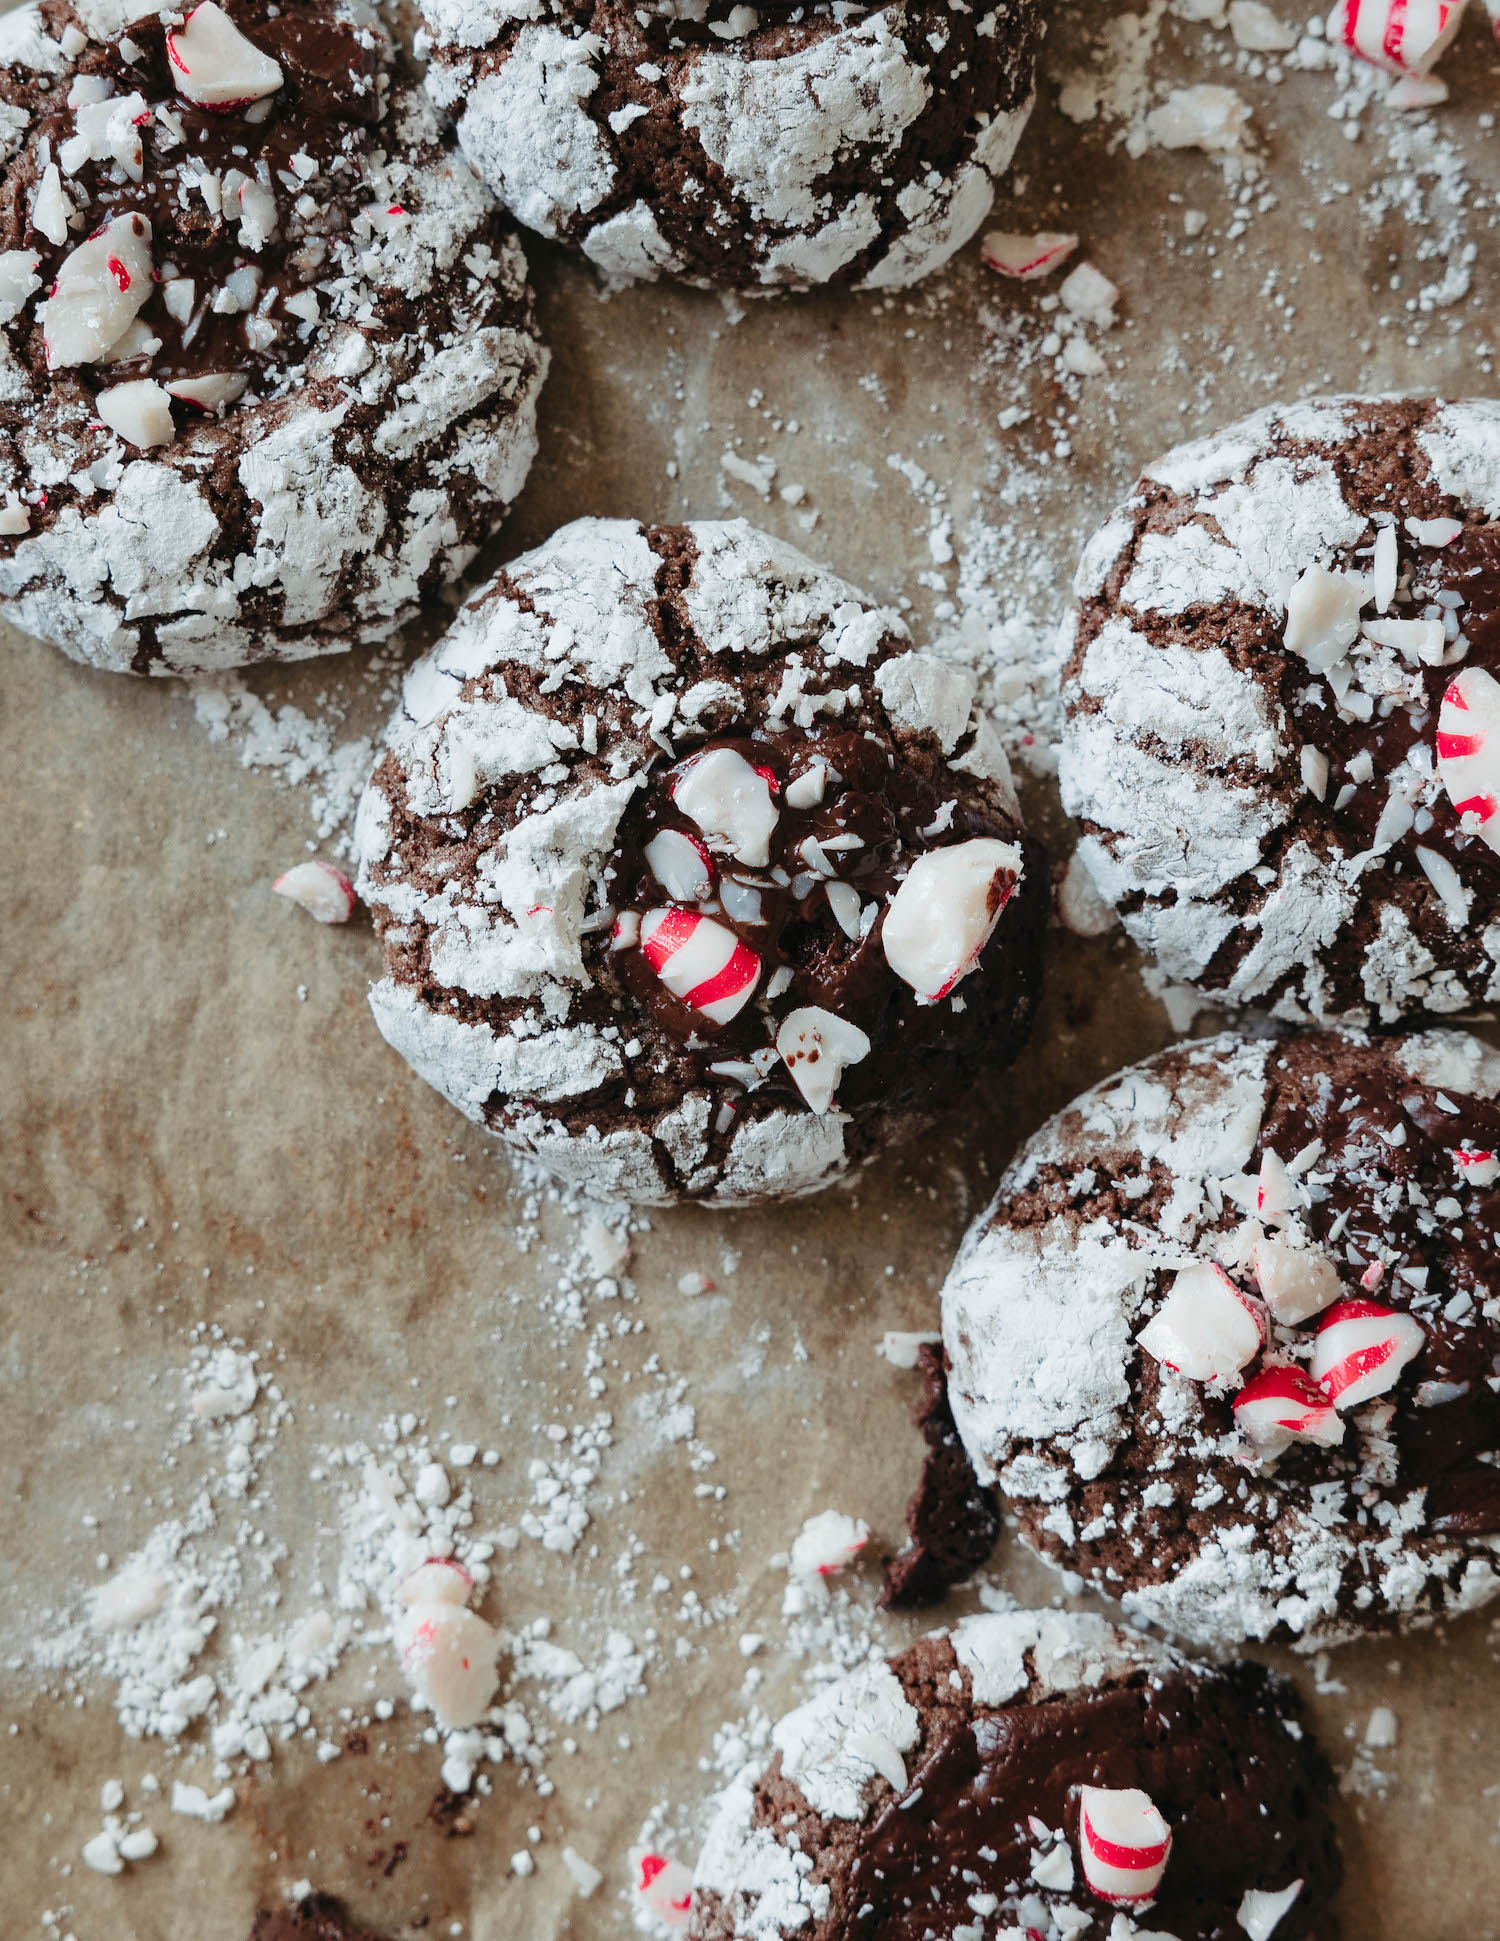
1207,1328
1360,1349
448,1651
1295,1282
214,65
730,800
1402,36
1123,1842
100,287
323,891
666,1888
827,1543
1468,750
701,962
1477,1168
682,865
1280,1406
817,1046
1026,257
945,910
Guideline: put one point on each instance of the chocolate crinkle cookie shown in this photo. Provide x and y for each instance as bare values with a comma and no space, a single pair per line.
744,147
1229,1336
695,880
268,365
1030,1773
1283,731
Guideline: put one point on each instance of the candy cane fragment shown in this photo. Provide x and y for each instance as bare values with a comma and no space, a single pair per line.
1206,1328
1123,1842
1280,1406
1026,257
1360,1349
214,65
1402,36
945,910
701,962
1468,751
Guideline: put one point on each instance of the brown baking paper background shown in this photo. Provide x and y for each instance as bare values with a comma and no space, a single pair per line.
190,1143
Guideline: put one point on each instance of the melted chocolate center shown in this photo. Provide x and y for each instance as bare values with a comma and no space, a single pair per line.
876,816
1238,1792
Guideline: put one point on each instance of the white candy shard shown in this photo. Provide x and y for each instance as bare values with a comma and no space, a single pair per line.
681,865
1322,616
1477,1168
816,1046
700,961
809,788
320,889
1261,1912
1206,116
212,392
18,280
50,207
139,412
1468,751
1314,771
666,1889
1277,1194
826,1543
1026,257
1449,885
214,65
1123,1842
731,803
1434,532
1206,1328
1295,1282
1360,1349
1280,1406
945,910
1402,36
100,288
449,1655
1416,91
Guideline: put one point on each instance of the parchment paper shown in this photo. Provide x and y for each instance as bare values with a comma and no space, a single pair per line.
187,1141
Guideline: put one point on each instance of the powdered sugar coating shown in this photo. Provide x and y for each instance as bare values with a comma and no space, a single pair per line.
861,149
526,735
1262,823
347,484
1135,1476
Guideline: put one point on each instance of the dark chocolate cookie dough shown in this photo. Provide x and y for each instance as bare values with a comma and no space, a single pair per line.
268,366
784,145
942,1792
1283,731
1229,1335
695,880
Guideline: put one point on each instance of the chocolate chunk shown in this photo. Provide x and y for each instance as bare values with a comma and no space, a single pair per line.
953,1520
